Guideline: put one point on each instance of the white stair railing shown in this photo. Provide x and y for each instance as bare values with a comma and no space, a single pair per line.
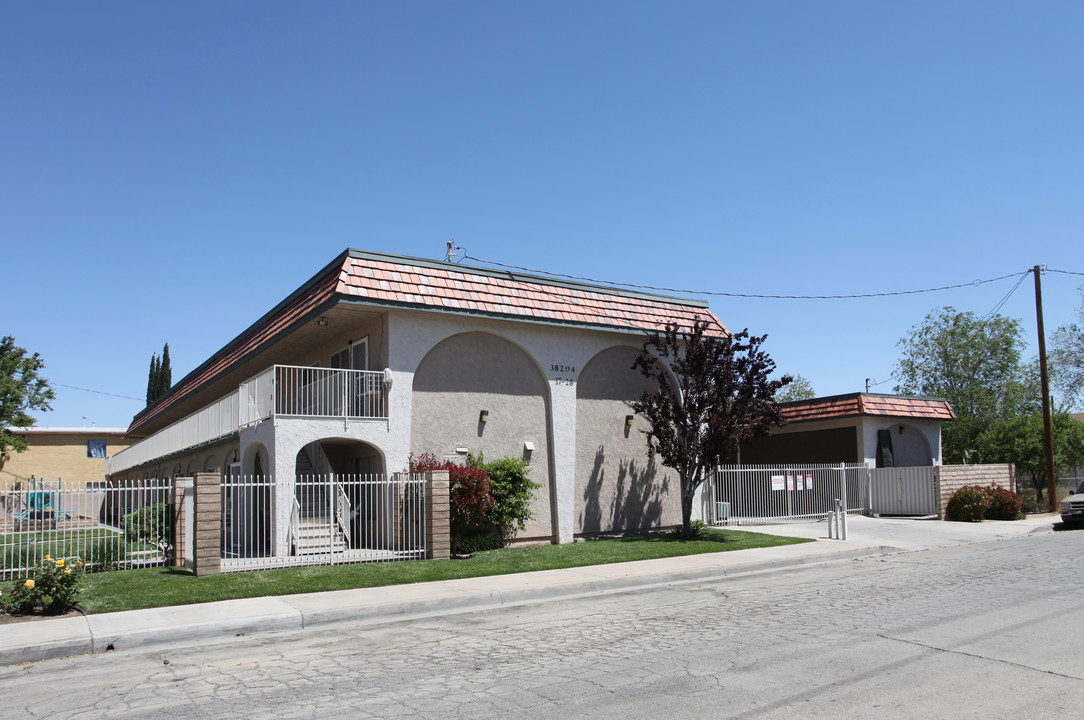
295,526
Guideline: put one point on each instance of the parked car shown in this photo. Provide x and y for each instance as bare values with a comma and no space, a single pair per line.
1072,507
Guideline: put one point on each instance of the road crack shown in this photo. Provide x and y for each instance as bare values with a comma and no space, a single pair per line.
977,656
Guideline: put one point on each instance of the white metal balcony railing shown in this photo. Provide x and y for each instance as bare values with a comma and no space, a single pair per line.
281,390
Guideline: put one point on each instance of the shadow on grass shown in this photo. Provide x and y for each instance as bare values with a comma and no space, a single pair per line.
674,536
162,586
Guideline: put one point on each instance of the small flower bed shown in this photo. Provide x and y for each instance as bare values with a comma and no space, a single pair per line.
53,587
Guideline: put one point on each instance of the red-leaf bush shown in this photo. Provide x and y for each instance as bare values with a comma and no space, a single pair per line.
470,494
968,504
1004,504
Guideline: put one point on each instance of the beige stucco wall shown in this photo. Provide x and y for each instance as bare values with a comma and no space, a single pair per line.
348,329
214,458
618,488
471,372
60,455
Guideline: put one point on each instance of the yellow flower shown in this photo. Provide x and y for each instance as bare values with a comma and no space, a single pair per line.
48,558
67,571
60,562
29,584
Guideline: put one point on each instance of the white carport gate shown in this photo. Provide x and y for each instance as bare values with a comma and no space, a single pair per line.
903,491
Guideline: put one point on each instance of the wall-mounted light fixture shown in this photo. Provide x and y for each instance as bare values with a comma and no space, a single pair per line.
322,322
628,420
483,416
901,429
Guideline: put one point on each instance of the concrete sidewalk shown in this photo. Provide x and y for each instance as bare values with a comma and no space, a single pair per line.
190,624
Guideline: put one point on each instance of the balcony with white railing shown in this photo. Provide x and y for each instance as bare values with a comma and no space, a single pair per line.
282,391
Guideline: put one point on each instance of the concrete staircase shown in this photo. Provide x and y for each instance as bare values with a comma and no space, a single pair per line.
320,536
317,533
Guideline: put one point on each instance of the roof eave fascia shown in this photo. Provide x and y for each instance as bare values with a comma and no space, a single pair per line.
303,320
244,334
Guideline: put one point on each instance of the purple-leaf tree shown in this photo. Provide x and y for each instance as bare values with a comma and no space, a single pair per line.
714,393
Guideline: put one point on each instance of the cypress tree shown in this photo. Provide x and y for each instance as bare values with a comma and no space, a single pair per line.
160,376
165,374
152,380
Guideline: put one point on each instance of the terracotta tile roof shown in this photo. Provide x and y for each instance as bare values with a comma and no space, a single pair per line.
460,289
900,406
840,406
378,279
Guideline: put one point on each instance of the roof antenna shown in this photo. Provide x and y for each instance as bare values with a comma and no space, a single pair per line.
453,251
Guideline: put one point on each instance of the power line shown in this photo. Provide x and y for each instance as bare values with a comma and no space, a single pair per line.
1064,272
997,308
973,283
97,392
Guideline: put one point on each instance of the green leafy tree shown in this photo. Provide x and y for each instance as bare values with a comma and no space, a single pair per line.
712,395
1019,440
22,390
799,389
973,363
1067,360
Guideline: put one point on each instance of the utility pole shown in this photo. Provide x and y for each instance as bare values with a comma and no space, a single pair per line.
1048,433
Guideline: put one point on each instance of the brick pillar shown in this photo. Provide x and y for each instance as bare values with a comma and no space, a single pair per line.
179,520
208,540
438,535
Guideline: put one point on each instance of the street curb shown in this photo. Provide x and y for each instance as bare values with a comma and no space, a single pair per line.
189,624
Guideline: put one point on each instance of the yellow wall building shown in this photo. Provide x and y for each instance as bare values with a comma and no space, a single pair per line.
76,455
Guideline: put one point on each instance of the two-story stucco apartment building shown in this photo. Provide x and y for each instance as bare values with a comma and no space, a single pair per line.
379,356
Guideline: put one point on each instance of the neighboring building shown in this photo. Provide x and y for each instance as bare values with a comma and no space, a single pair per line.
380,356
880,430
74,454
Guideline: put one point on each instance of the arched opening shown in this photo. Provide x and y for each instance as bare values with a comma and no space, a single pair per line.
480,393
909,446
247,508
343,500
618,487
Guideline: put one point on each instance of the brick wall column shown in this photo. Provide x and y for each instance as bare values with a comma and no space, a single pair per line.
180,520
208,525
438,531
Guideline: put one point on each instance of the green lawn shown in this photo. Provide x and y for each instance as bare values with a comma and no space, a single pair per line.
157,587
92,545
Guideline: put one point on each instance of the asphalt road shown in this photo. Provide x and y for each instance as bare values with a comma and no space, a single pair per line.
986,630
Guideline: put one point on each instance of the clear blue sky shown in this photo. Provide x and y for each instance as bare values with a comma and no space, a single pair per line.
170,171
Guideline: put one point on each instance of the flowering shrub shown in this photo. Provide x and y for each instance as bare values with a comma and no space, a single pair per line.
968,504
469,491
54,587
512,493
1004,504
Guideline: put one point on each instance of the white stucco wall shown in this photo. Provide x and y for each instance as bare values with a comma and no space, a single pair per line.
918,444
